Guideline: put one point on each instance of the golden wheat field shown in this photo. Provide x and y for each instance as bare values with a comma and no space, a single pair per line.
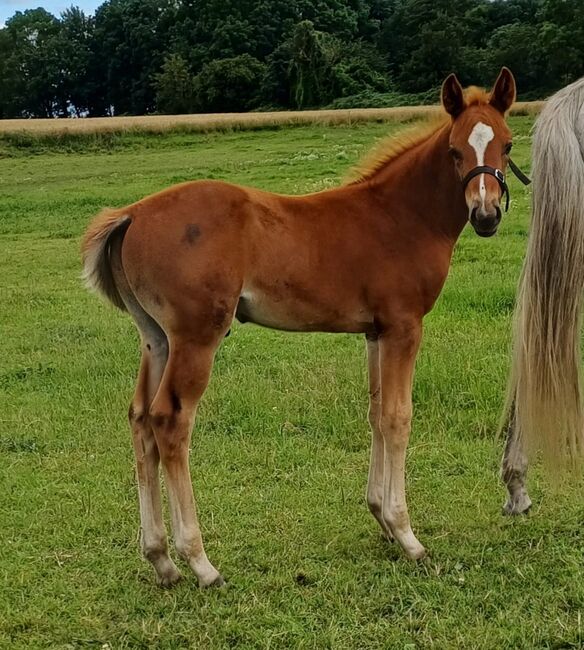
222,121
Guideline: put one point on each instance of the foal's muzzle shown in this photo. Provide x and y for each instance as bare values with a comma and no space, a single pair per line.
485,225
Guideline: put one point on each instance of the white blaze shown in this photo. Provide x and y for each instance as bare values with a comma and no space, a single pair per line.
479,140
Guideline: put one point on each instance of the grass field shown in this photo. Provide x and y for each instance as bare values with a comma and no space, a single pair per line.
280,451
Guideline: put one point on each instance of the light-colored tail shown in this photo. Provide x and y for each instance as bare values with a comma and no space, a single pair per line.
96,247
545,390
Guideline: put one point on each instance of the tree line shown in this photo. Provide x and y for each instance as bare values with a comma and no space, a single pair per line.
176,56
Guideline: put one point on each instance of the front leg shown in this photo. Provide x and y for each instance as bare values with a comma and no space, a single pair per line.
398,347
376,462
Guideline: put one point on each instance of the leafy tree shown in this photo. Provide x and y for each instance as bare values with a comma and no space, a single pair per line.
561,42
307,67
229,85
423,40
75,41
357,68
515,45
275,88
131,37
174,86
33,36
439,52
8,77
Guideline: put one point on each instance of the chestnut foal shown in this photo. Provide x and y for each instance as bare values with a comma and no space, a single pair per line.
368,257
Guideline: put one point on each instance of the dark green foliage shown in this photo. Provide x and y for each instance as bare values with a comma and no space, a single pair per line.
75,56
309,64
175,86
229,85
130,41
312,68
34,76
369,99
140,56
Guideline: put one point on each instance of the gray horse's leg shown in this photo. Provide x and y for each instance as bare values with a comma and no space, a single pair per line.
514,471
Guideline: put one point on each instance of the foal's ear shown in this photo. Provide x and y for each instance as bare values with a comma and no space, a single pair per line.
452,96
504,91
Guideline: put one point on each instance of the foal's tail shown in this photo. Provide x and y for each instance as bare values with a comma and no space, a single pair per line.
106,229
545,390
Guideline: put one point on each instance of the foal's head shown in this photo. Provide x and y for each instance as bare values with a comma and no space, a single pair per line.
480,143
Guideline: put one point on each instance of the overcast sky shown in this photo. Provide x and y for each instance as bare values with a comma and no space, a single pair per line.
9,7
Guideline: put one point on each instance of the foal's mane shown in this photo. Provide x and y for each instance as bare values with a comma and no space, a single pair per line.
393,146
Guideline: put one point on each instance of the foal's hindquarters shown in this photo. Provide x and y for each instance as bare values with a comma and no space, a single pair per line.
179,335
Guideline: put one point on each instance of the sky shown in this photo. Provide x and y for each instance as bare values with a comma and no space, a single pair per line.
9,7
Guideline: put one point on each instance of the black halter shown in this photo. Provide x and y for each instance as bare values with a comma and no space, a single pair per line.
498,174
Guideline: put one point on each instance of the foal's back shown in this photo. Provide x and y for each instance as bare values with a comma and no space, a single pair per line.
207,250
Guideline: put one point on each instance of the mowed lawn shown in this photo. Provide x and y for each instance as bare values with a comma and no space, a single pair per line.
280,449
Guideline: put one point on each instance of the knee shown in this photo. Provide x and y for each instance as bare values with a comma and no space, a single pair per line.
396,420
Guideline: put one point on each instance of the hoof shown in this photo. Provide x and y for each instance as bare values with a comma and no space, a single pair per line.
170,579
420,556
217,583
518,506
416,553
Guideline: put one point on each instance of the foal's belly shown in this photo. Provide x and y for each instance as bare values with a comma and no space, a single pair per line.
301,313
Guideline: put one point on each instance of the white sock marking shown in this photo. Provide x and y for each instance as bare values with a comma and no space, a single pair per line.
479,140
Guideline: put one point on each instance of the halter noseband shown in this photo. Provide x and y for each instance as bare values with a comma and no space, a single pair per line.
498,174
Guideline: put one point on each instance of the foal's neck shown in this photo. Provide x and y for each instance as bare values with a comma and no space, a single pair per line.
422,183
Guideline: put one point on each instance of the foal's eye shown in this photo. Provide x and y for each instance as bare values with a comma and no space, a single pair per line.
455,154
508,148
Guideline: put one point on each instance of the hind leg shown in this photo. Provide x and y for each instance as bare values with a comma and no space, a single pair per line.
514,471
154,358
185,378
153,532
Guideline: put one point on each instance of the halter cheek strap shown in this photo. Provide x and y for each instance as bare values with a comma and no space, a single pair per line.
518,173
498,174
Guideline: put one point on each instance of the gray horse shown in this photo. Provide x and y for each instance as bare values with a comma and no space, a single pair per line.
544,412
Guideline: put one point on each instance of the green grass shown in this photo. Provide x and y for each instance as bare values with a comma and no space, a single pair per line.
280,451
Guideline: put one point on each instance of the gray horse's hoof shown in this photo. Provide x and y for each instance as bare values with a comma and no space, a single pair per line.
518,505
